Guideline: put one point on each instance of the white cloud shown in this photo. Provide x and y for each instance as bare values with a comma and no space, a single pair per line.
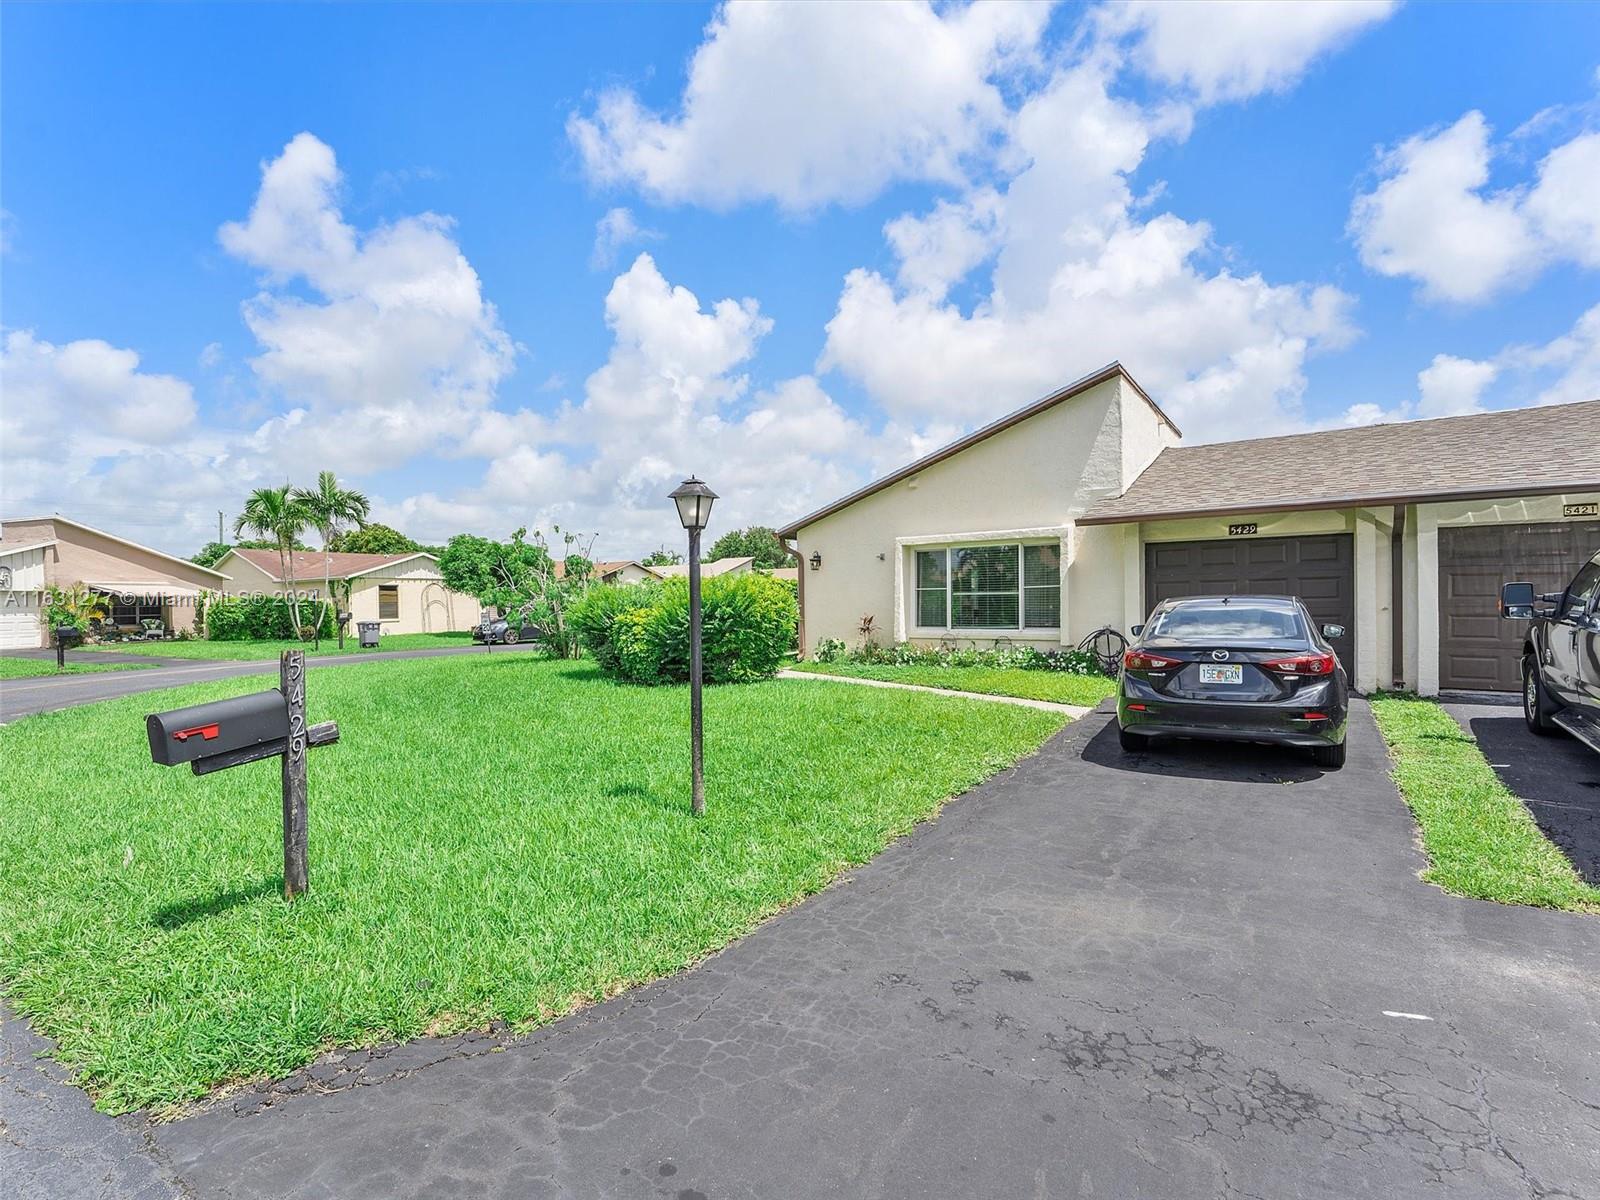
1564,370
1081,278
1449,385
807,104
612,233
84,430
670,399
397,353
1233,49
1433,218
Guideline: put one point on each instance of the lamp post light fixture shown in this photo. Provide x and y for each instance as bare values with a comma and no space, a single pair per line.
694,499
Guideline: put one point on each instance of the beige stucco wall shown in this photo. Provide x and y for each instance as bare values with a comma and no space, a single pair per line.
86,556
631,573
1514,510
426,605
1025,483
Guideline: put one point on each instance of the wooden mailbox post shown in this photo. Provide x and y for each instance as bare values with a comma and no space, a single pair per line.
242,729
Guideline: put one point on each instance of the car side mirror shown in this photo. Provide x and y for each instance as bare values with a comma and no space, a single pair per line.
1136,630
1516,601
1332,631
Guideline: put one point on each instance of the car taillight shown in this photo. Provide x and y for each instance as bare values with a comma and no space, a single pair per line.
1140,660
1302,664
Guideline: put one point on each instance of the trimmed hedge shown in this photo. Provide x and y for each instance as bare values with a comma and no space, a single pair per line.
641,633
260,618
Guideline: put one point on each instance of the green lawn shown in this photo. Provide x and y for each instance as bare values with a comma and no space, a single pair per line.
1087,690
494,836
231,651
27,668
1480,838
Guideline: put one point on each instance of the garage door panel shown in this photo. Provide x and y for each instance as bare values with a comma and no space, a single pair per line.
1477,650
1319,569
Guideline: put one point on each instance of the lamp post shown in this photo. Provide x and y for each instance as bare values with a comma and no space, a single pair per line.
693,499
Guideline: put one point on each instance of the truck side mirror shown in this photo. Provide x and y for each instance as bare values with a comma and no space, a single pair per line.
1516,601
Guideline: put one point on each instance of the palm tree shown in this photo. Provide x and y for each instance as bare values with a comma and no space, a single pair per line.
279,516
329,507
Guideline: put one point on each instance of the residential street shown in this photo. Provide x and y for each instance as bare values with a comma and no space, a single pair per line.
1202,977
46,693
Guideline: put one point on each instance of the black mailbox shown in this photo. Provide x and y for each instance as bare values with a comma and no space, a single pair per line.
223,727
68,635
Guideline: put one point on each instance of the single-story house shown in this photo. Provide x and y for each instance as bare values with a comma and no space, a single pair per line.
619,571
717,566
1083,510
39,553
404,593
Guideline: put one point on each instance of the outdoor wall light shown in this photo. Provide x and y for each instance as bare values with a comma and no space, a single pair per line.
816,560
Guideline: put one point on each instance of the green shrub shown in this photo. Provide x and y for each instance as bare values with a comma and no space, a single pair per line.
641,633
261,618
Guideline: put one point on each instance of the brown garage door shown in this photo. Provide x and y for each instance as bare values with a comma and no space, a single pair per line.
1477,650
1320,570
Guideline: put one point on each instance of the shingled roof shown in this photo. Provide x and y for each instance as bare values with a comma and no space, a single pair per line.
1525,451
308,564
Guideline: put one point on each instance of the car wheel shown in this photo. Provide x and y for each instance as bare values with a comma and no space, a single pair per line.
1331,757
1133,743
511,636
1535,701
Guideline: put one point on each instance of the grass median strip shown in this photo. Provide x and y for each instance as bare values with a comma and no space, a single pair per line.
1480,838
235,651
1059,687
32,668
494,837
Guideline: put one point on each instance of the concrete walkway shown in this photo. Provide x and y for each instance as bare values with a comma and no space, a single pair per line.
1199,971
1072,710
46,693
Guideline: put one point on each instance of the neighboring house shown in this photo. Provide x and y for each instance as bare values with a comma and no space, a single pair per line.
792,574
717,566
1081,511
37,553
405,593
617,571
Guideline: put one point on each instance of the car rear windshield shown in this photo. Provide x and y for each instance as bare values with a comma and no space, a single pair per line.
1230,623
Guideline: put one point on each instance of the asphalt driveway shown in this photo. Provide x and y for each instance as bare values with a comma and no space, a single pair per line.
1558,776
1200,972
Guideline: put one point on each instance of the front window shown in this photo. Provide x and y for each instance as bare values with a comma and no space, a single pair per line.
1008,586
388,602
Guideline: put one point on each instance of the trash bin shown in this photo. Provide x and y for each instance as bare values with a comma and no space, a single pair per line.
369,633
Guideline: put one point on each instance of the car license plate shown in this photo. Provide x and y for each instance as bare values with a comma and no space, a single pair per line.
1232,673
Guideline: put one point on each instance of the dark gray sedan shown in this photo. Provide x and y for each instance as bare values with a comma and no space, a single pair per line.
1235,668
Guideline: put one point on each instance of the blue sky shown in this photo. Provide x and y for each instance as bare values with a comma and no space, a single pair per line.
846,234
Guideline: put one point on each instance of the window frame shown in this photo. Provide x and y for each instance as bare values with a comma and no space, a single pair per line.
949,628
394,589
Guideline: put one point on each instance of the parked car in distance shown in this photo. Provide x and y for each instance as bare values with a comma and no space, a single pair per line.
507,630
1235,668
1560,654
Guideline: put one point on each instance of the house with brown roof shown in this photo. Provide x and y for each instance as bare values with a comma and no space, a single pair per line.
404,593
1084,510
620,570
148,589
